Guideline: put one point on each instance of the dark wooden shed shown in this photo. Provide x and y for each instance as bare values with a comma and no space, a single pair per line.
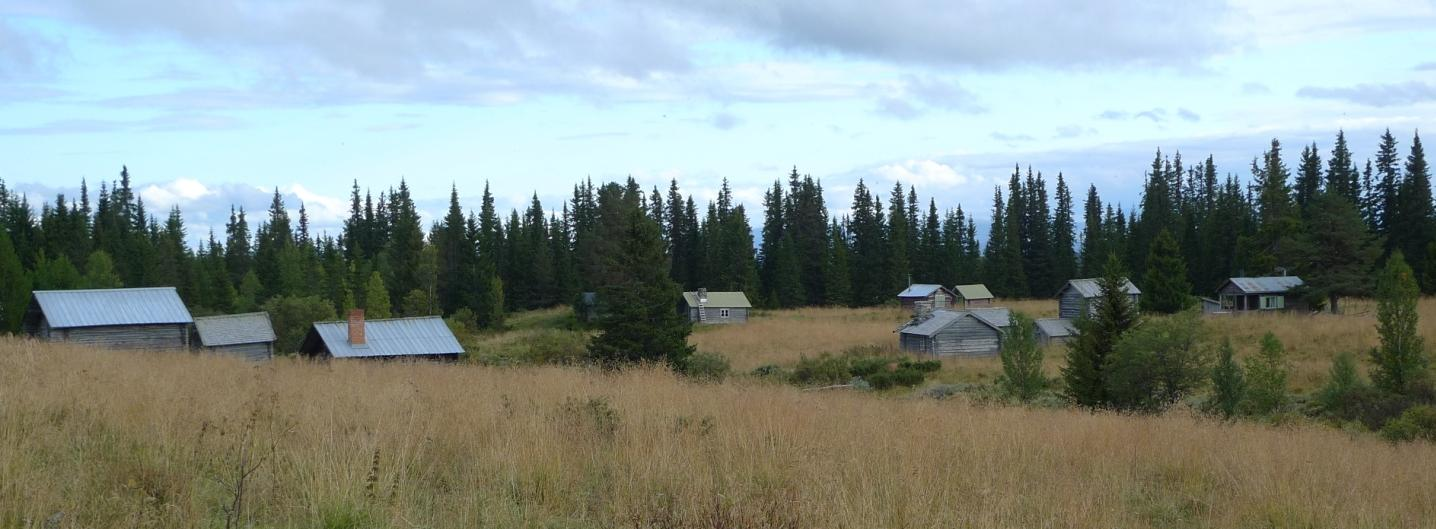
1074,298
974,332
117,318
249,336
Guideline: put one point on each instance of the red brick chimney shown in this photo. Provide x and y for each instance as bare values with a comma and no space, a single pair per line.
356,327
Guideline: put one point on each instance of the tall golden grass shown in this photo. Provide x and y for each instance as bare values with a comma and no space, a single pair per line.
117,439
782,337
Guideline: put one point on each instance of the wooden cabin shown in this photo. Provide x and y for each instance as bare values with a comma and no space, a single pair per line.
1051,331
973,332
117,318
924,297
1247,294
974,295
1074,298
249,336
716,308
423,338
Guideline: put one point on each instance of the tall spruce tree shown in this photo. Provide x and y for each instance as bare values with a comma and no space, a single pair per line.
1098,333
14,286
1093,234
1308,176
1165,286
1064,256
1386,203
1415,215
1339,251
638,322
1342,177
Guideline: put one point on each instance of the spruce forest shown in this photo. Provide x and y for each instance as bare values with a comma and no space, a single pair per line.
1328,215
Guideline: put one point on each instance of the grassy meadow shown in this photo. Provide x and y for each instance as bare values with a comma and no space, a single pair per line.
127,439
120,439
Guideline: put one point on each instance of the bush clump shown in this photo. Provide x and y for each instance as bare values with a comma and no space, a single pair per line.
705,367
1416,423
878,371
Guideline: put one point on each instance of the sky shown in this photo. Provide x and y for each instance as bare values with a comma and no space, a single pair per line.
221,102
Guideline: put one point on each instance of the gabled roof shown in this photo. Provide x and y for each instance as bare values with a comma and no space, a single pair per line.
388,338
920,290
113,306
940,319
234,329
722,300
1090,288
1264,285
1056,327
974,291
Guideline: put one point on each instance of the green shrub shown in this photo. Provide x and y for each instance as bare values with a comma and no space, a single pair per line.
877,370
1416,423
706,367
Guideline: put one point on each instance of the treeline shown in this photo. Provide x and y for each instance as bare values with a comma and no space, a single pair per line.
1331,219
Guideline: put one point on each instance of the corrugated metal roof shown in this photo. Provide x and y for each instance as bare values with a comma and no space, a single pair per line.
728,300
940,319
920,290
976,291
232,329
996,317
1089,288
1056,327
1266,285
114,306
390,338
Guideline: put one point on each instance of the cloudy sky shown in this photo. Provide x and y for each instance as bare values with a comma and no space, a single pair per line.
210,106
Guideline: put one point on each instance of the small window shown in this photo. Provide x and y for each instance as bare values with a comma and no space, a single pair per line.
722,313
1273,302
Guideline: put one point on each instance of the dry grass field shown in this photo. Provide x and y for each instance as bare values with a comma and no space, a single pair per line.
782,337
121,439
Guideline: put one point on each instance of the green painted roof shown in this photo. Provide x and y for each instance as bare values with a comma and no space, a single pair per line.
728,300
977,291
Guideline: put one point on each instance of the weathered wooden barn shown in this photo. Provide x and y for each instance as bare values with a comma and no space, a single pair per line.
1054,330
925,297
424,338
117,318
249,336
974,295
707,307
1245,294
1074,298
972,332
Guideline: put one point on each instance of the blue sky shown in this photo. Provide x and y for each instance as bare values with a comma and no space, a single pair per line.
213,106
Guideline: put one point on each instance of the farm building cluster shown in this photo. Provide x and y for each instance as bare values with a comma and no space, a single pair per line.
962,321
156,319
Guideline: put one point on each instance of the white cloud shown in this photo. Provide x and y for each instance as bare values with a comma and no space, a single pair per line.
176,192
924,173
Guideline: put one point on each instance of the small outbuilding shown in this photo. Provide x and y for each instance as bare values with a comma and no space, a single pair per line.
1074,298
704,307
116,318
1245,294
249,336
925,297
1054,330
423,338
973,332
974,295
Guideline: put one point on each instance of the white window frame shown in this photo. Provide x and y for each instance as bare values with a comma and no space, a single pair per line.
1273,302
723,313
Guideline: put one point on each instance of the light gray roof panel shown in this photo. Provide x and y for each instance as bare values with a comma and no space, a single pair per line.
722,300
939,319
114,306
234,329
919,290
1057,327
1089,288
1266,285
391,338
974,291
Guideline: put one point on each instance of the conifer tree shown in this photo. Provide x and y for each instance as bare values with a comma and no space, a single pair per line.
376,298
14,286
1338,250
837,284
1308,176
637,322
1022,376
455,255
1093,234
1228,385
1386,202
1415,214
1266,377
100,272
1342,177
1400,364
1166,290
1064,257
1098,333
899,263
